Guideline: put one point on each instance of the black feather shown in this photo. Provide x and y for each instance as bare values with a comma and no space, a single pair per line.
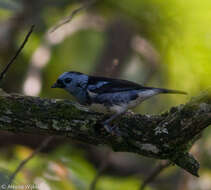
109,85
162,90
102,85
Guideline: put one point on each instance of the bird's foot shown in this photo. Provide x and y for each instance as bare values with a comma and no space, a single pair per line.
113,130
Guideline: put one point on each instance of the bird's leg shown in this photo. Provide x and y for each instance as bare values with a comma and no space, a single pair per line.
112,129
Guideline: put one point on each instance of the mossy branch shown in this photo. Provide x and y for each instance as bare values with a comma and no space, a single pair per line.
167,136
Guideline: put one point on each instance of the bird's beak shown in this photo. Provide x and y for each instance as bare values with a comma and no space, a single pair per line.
58,85
55,85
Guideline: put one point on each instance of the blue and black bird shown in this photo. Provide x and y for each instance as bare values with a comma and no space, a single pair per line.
107,95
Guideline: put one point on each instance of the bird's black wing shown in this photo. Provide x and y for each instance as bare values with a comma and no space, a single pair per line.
101,85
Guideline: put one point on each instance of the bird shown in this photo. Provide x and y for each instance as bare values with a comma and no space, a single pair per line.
111,96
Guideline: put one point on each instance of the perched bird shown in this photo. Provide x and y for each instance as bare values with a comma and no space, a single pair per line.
107,95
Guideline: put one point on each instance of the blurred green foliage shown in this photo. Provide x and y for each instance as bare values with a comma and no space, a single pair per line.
64,168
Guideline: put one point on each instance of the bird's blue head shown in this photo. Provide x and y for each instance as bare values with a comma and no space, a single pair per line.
73,82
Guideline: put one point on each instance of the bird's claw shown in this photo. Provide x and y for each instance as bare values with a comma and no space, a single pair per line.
113,130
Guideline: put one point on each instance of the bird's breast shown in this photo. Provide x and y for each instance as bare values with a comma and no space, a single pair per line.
97,107
113,102
101,108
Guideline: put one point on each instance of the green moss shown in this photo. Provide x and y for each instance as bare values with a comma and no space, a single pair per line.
84,128
204,96
55,124
5,119
41,125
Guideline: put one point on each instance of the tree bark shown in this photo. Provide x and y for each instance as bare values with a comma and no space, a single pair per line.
167,136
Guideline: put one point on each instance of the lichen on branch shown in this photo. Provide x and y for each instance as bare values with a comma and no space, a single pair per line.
168,136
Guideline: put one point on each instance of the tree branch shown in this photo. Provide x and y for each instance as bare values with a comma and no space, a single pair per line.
162,165
70,17
168,136
17,53
25,161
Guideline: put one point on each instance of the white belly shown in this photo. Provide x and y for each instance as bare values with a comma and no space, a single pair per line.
118,108
142,96
103,109
98,108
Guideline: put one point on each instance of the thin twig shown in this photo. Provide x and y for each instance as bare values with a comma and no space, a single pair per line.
100,171
162,165
74,12
17,53
23,162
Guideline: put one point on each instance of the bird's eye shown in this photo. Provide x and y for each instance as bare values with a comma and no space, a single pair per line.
67,80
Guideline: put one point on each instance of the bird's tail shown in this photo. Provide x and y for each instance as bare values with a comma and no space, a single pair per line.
162,90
